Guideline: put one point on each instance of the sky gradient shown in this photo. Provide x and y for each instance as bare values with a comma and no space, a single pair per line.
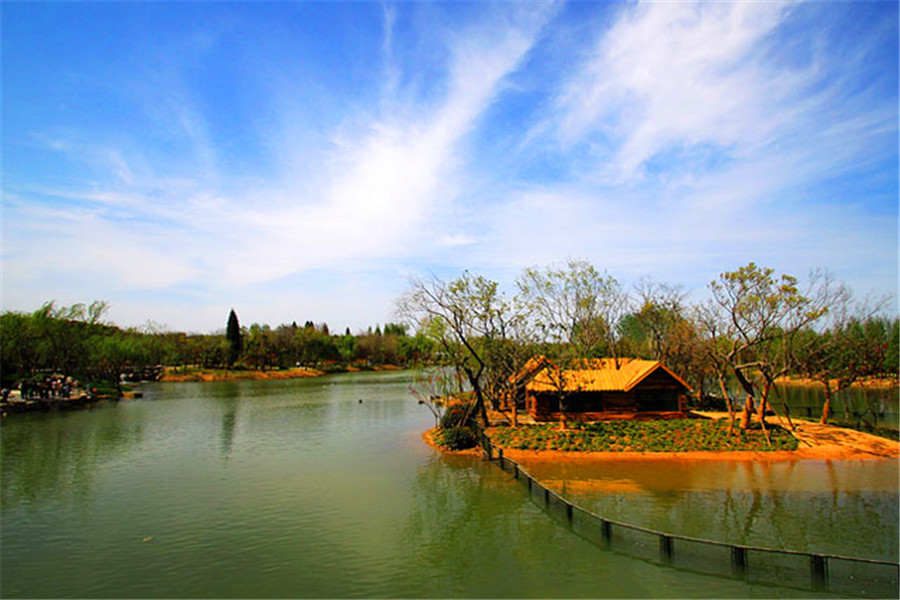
300,161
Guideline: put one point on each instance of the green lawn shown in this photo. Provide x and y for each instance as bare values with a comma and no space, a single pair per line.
673,435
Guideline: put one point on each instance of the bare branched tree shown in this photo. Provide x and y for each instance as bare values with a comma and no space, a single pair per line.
471,320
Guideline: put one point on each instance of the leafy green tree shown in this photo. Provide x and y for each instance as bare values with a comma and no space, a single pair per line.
851,347
575,311
576,305
112,354
892,354
346,346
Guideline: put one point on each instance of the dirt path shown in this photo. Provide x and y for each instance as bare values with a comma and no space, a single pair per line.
829,441
838,440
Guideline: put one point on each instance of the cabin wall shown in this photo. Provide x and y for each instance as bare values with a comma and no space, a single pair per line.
542,405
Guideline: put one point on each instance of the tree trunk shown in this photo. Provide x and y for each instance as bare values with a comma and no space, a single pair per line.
510,405
826,409
480,409
729,405
761,413
746,414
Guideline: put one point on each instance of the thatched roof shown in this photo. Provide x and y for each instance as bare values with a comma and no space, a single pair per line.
599,375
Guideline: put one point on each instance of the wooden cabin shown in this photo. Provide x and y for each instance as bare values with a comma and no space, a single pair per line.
606,388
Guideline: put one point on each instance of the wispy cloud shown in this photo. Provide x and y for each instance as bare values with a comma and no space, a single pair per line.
385,183
669,75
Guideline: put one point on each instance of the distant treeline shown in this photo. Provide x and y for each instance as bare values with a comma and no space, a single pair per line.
74,340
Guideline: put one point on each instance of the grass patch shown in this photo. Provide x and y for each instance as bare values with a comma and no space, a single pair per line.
672,435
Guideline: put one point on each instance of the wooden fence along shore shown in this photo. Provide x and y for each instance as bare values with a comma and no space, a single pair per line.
764,566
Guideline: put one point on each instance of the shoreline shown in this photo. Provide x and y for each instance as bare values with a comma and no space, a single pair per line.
817,442
822,453
208,375
876,384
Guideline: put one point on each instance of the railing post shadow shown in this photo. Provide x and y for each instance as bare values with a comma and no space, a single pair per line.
606,531
665,549
738,562
818,570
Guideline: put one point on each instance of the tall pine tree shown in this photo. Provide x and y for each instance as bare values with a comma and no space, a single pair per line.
233,335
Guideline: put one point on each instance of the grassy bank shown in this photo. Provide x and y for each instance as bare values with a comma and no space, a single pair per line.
675,435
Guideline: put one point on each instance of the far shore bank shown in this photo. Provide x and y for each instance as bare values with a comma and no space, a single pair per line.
873,383
208,375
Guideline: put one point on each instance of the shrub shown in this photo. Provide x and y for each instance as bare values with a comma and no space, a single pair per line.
456,416
456,438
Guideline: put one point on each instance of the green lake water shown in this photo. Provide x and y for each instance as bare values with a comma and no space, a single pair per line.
296,489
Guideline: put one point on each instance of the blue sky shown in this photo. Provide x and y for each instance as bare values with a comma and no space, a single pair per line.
299,161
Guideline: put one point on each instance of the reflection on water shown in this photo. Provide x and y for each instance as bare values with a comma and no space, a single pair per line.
297,489
847,508
64,458
877,407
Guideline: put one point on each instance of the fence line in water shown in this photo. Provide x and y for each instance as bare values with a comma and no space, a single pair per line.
818,572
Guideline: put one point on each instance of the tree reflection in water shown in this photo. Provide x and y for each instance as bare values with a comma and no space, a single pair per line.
37,459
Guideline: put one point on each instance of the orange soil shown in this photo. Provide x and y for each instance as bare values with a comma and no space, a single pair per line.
241,375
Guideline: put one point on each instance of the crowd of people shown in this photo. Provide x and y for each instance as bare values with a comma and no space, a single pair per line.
51,387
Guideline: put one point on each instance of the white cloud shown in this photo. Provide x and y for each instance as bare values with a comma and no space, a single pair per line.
669,74
385,186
